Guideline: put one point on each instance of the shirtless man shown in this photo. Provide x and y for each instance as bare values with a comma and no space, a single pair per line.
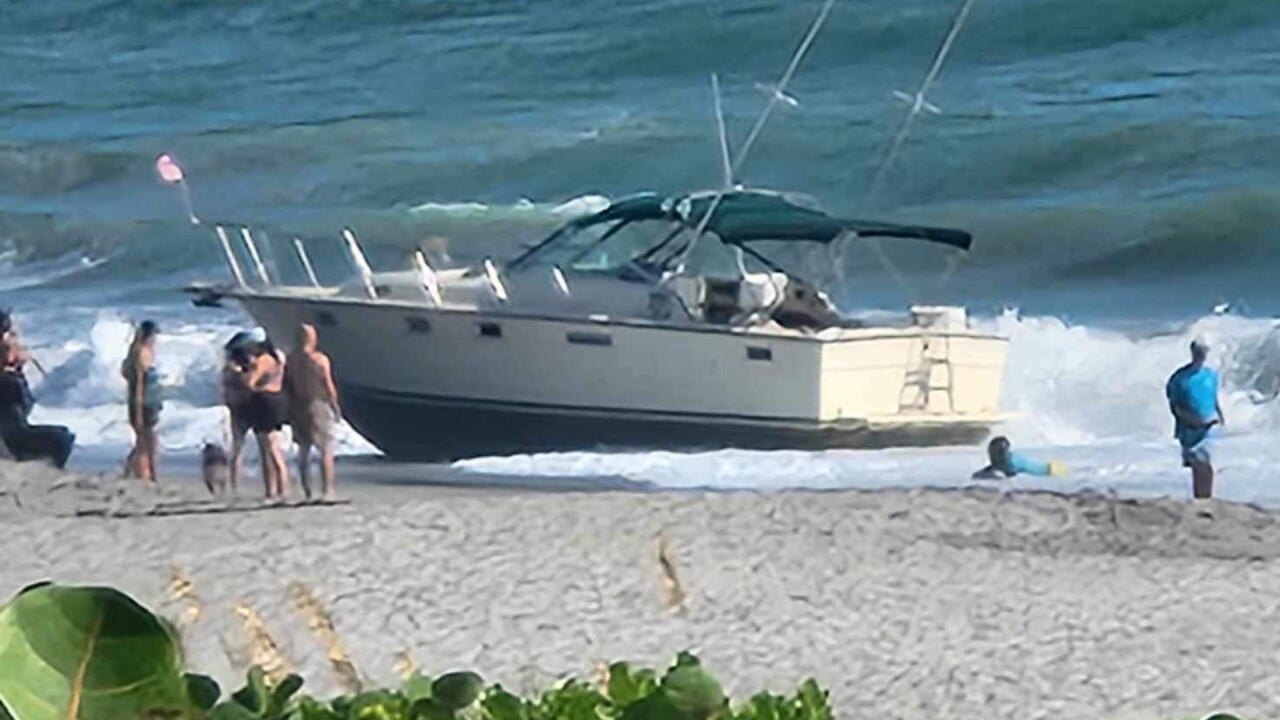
313,408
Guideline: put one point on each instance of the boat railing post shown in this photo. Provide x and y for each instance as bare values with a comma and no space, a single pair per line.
562,283
253,253
495,281
306,261
221,232
430,281
361,263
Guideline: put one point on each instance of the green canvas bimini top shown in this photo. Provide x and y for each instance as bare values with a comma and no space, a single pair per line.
749,215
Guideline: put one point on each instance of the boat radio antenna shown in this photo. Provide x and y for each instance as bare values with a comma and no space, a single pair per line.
778,92
722,135
916,103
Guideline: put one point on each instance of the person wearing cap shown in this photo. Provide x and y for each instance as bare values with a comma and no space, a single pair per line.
1192,392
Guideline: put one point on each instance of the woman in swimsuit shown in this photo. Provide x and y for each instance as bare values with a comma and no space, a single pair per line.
145,401
267,413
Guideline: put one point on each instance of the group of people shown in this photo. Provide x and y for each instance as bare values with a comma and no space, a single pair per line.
264,391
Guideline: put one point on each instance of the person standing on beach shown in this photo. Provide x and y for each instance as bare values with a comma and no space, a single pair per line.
145,401
1192,392
313,408
236,396
268,412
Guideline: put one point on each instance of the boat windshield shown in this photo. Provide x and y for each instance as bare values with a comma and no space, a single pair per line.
607,248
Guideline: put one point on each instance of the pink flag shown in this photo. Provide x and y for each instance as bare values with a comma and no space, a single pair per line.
168,169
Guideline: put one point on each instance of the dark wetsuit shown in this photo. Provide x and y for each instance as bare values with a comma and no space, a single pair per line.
23,440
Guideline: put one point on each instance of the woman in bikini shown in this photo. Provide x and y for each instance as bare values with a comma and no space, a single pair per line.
268,410
145,401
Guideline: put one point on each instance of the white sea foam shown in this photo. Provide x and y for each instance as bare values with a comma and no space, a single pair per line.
1090,397
574,207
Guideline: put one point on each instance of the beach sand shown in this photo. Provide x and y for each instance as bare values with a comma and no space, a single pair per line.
912,604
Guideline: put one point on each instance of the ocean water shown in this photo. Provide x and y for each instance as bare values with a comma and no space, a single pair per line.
1113,158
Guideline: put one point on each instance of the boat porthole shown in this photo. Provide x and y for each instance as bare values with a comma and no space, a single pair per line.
755,352
418,324
490,330
324,318
586,337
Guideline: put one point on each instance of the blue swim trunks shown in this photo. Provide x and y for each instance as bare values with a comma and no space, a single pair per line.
1197,446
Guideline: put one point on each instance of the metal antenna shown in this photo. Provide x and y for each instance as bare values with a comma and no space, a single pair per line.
778,92
726,160
916,104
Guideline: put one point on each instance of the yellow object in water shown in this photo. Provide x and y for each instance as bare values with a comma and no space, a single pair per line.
1056,468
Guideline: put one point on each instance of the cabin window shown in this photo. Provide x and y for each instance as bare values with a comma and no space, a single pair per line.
490,330
755,352
588,337
324,318
418,324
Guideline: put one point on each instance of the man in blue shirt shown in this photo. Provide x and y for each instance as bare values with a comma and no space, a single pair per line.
1193,399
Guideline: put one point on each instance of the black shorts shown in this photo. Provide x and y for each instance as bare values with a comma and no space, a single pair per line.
267,412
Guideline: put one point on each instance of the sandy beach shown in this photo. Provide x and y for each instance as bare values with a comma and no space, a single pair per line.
913,604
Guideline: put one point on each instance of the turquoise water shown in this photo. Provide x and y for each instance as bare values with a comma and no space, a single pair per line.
1113,158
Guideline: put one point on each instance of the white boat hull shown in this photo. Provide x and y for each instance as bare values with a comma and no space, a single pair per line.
433,384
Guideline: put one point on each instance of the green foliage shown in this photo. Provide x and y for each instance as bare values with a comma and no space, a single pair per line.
90,653
94,654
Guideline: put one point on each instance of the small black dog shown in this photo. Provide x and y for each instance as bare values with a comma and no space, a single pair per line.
214,467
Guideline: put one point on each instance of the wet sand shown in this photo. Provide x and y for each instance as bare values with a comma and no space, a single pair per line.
915,604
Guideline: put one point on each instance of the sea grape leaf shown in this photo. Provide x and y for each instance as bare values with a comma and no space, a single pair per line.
457,690
811,701
203,691
282,693
573,700
766,706
416,687
378,705
693,691
311,709
90,653
499,704
627,686
652,707
232,710
429,709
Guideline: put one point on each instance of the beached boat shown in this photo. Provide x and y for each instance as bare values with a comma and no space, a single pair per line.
656,322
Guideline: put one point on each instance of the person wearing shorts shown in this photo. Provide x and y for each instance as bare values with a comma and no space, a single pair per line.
1192,392
313,408
266,412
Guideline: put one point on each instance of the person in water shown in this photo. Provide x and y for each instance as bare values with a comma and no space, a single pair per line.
1005,463
145,400
1192,392
268,411
313,408
20,439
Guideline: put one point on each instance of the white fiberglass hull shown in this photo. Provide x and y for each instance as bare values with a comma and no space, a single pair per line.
432,384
